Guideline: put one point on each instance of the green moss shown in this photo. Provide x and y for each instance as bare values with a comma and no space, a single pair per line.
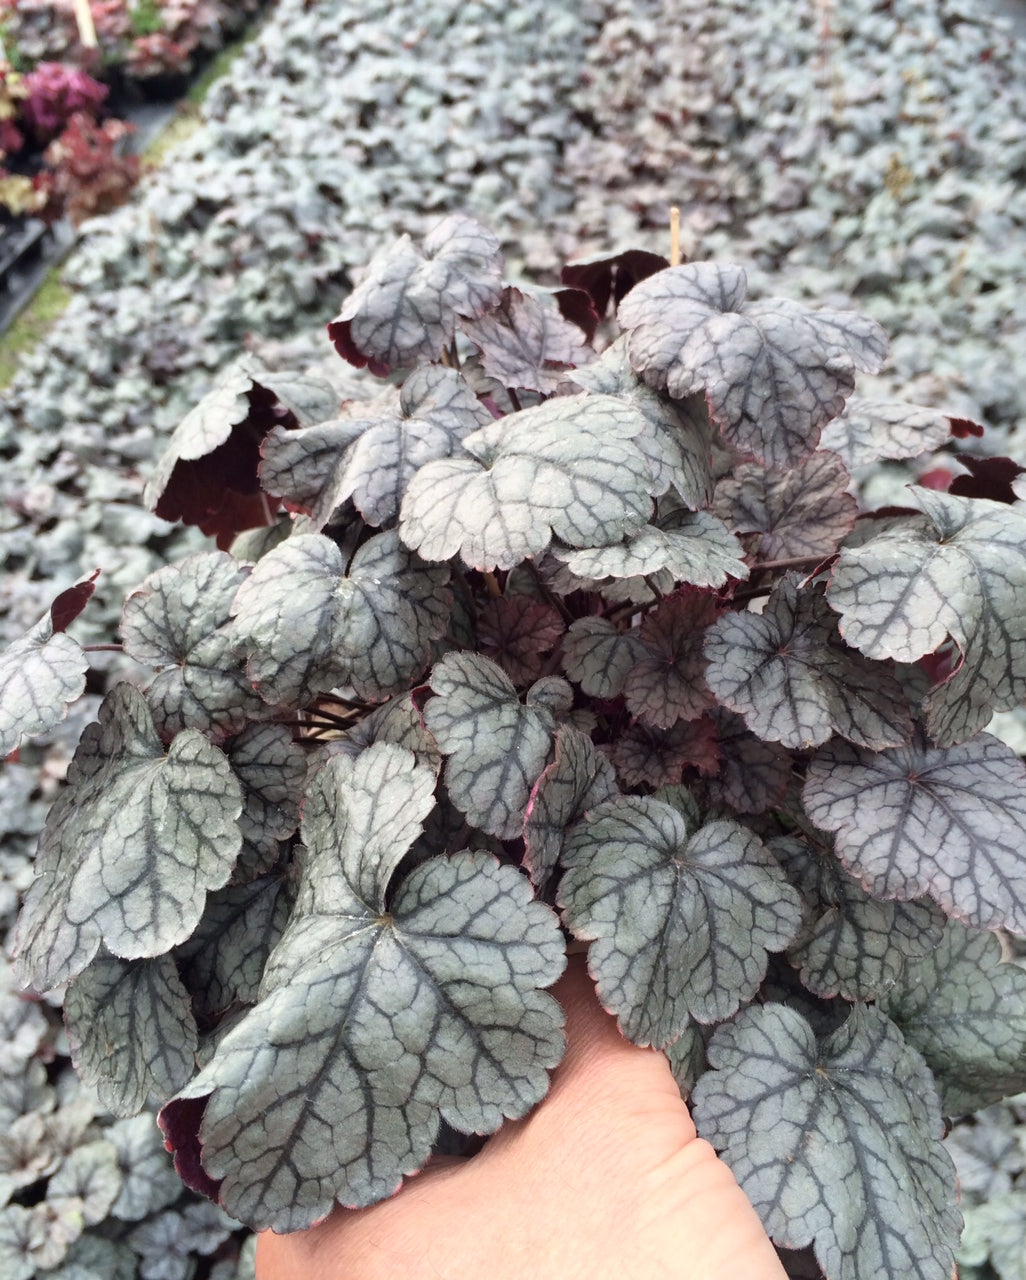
46,308
34,323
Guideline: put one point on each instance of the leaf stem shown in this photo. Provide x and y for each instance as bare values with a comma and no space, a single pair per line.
103,648
514,399
674,236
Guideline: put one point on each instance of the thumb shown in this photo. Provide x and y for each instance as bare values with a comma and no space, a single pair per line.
606,1088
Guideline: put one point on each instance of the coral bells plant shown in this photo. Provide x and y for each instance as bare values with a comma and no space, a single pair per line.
538,647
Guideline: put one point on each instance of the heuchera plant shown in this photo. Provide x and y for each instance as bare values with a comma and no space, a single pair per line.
534,649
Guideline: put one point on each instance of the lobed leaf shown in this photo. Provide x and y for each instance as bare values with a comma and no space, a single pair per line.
642,754
803,511
150,1182
372,454
272,770
517,632
871,429
526,344
132,1030
306,626
131,847
405,308
666,683
787,672
750,775
398,721
774,372
179,621
851,944
598,656
568,467
679,923
86,1185
385,1008
578,779
901,594
41,674
223,962
835,1141
964,1009
676,436
406,604
496,746
918,820
693,548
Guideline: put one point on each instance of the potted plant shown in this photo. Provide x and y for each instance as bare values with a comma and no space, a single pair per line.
539,647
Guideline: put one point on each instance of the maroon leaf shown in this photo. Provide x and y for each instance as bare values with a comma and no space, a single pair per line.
667,683
753,775
643,754
69,604
989,478
517,632
612,276
803,511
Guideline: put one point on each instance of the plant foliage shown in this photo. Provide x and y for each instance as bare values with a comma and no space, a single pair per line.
609,649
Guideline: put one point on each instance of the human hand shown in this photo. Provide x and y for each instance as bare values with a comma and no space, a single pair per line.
606,1178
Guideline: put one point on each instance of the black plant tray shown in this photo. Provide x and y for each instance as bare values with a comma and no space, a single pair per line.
28,248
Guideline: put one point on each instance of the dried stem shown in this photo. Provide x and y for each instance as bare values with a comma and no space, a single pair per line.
675,237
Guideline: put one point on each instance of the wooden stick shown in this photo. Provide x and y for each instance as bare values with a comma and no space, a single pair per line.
674,237
86,26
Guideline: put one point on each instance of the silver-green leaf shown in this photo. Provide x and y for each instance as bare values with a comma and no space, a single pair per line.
179,621
947,823
41,673
132,1030
836,1141
131,847
693,547
851,944
680,924
383,1008
568,468
495,746
371,454
787,672
901,594
964,1009
773,371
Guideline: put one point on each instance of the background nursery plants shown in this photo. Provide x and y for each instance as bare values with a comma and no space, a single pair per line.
538,644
